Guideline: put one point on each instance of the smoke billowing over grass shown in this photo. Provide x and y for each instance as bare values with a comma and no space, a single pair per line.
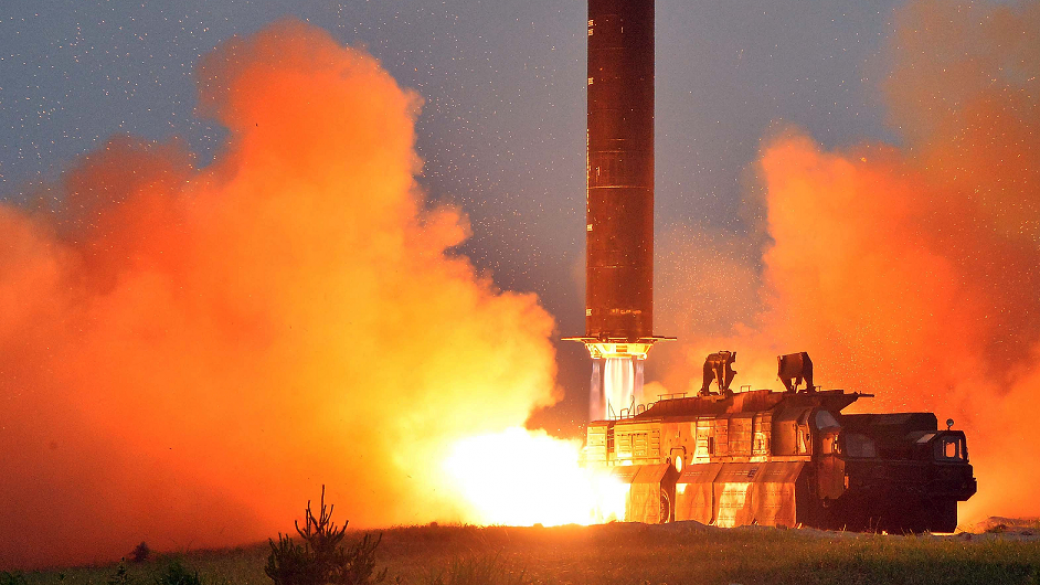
186,353
908,271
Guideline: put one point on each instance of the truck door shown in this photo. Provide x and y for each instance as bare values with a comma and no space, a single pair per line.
830,465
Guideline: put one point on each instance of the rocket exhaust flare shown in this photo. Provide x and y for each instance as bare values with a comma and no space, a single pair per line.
619,249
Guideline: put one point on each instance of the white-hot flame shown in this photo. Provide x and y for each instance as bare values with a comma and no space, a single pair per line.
616,387
520,477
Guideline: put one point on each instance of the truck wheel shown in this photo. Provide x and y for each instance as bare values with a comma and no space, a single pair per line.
942,515
666,508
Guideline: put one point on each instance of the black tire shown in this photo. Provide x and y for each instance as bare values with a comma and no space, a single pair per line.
942,515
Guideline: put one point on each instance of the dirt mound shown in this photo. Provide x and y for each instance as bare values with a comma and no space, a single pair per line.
999,525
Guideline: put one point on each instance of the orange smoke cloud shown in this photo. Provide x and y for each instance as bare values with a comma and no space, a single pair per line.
187,354
910,272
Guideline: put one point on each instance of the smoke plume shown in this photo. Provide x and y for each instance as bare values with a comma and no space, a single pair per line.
187,354
908,271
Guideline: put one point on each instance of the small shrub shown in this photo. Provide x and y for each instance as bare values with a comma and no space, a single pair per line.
121,576
141,553
12,578
322,558
177,574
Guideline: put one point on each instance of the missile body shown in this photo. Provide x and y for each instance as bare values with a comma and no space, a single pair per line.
619,271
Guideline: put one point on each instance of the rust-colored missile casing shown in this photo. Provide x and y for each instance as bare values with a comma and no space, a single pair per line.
620,205
619,239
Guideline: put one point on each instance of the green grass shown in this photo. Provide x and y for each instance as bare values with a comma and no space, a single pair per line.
635,554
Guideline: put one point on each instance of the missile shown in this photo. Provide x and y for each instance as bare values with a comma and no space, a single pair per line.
619,244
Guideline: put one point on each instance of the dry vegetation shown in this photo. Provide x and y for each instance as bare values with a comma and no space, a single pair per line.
633,554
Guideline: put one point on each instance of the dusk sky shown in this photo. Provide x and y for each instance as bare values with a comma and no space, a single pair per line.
502,126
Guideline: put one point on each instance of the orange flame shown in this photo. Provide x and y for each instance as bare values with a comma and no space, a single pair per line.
188,354
909,273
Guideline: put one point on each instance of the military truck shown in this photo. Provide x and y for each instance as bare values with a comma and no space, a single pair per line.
787,458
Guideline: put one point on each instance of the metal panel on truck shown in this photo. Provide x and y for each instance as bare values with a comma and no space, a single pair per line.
693,493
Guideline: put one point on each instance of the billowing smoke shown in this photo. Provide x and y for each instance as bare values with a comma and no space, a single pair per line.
911,271
187,354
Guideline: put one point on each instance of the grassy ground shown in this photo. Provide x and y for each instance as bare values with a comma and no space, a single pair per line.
635,554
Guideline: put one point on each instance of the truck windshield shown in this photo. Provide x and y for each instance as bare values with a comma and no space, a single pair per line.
950,448
825,420
857,445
